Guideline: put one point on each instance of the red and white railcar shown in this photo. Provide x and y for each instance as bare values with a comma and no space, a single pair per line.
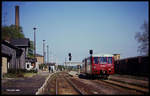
98,65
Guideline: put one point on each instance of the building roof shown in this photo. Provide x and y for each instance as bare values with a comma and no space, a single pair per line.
102,55
5,42
39,55
6,50
116,54
31,59
21,42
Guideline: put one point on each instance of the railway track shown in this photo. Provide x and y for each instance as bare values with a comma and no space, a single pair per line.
137,85
124,88
64,86
144,90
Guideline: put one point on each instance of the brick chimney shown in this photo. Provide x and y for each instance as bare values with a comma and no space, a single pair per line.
17,16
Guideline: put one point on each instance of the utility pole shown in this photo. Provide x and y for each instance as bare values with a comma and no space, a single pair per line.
43,52
34,44
65,63
5,14
47,54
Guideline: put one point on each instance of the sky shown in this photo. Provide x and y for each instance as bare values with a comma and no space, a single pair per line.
77,27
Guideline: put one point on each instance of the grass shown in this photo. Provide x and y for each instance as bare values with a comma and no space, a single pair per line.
29,74
22,74
10,75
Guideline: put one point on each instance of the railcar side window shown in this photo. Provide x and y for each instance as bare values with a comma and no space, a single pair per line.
109,60
100,60
104,60
95,60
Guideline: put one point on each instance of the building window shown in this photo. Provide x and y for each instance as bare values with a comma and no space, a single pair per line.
27,65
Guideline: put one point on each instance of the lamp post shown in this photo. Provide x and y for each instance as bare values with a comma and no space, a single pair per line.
43,52
47,54
34,42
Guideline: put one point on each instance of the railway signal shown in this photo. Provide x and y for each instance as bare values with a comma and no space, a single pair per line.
69,56
91,52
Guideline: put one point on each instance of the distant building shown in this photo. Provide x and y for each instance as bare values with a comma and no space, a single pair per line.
39,58
116,56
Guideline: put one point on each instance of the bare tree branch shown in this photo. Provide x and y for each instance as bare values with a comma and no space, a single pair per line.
143,39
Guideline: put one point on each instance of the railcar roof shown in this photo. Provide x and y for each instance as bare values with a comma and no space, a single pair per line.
102,55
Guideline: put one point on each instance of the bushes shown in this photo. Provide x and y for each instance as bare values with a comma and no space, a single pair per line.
41,66
31,71
13,73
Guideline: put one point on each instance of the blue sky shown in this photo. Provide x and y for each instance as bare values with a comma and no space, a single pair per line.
77,27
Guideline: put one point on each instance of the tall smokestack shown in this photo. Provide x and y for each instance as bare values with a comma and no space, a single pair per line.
17,16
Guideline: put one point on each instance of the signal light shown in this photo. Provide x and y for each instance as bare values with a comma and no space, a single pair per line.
69,56
91,52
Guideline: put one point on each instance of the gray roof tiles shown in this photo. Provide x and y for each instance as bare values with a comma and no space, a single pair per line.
22,42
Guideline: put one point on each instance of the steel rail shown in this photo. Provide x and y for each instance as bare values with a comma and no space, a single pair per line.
56,85
122,85
73,85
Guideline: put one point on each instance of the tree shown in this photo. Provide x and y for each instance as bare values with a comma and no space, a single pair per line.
30,50
14,32
143,38
11,32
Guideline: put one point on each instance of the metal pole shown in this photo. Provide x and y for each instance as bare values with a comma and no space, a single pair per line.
47,54
43,53
34,43
65,64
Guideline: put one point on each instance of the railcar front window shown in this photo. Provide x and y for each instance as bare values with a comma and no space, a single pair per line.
95,60
103,60
109,60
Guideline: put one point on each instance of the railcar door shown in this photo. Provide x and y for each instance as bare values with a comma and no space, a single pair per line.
85,65
88,67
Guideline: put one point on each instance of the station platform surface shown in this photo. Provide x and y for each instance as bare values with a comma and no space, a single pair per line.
24,85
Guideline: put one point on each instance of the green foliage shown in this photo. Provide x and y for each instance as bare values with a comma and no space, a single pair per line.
11,32
31,71
61,67
41,66
30,50
13,73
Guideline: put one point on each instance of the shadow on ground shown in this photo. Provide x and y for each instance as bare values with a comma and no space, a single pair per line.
84,76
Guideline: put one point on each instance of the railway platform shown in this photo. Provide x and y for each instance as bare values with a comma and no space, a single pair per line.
24,85
73,73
